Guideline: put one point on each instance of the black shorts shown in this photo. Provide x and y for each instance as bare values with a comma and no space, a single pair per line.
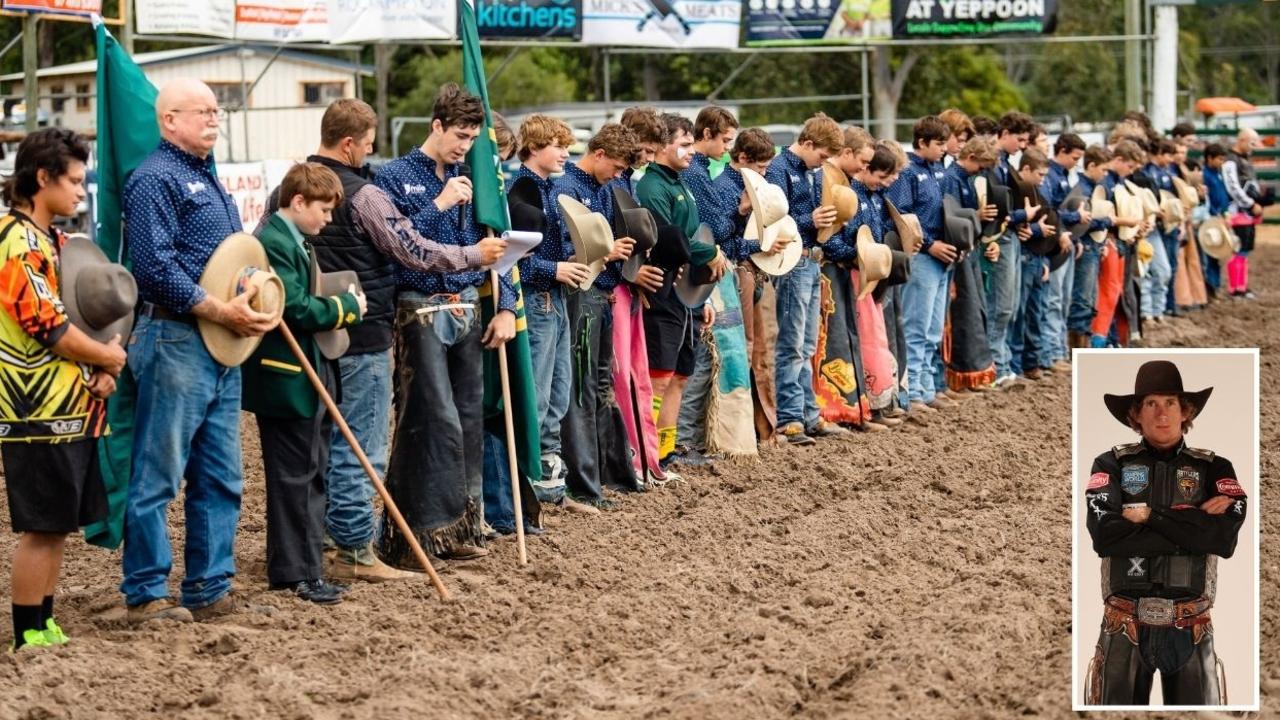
669,333
53,487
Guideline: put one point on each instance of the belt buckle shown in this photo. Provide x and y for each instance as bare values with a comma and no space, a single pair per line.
1155,611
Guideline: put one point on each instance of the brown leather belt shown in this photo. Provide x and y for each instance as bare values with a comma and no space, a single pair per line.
156,312
1160,612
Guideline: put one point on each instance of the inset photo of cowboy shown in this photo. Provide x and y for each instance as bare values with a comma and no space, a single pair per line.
1165,526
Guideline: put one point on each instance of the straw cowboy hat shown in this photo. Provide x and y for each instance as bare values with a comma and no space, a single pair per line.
899,268
779,263
1128,205
768,201
1216,239
1156,377
1144,252
694,286
637,223
1186,193
592,237
333,344
1102,209
874,261
238,264
910,231
98,295
1150,202
1172,213
836,193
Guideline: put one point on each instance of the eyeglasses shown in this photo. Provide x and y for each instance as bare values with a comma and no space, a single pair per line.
207,114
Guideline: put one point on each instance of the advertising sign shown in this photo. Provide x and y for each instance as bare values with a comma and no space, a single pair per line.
662,23
529,18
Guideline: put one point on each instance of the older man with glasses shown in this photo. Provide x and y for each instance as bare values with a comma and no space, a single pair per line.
187,421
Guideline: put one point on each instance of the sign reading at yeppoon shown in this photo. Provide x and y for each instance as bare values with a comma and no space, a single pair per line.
529,18
972,18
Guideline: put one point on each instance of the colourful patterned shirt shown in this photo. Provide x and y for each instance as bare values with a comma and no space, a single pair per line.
43,397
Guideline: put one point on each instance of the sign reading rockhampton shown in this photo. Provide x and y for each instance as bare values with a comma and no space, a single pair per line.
972,18
529,18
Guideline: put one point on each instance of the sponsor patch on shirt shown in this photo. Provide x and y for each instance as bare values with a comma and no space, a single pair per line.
1098,480
1188,482
1134,479
195,187
411,189
1229,486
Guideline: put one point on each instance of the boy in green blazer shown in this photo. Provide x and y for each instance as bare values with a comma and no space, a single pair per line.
292,423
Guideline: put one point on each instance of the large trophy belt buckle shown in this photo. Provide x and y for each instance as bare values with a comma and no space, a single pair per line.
1155,611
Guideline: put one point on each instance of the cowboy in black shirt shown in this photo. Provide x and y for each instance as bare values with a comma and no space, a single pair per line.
1160,514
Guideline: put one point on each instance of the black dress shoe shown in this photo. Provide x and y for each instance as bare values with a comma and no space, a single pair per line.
316,590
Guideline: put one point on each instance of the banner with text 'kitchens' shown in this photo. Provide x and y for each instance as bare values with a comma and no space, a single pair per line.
529,18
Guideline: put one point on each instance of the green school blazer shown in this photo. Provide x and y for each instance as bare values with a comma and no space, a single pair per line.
273,380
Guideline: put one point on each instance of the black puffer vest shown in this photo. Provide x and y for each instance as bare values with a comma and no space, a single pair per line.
343,246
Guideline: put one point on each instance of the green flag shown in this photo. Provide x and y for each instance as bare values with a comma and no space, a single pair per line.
489,198
490,201
127,133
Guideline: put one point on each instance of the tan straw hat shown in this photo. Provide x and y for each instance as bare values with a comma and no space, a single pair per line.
1216,239
592,237
1128,205
333,344
874,261
238,264
768,201
910,231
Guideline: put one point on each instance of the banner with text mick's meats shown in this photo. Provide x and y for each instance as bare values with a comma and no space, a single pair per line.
662,23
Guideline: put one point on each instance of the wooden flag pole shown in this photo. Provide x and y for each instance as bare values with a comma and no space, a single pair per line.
364,460
512,465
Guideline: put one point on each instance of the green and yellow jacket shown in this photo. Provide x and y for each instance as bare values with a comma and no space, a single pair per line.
274,382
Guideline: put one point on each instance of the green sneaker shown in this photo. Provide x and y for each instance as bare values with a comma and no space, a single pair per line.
53,634
32,638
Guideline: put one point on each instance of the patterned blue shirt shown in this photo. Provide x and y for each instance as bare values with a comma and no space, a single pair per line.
918,190
581,186
410,182
729,187
1160,175
1055,188
176,214
538,271
958,183
711,208
789,172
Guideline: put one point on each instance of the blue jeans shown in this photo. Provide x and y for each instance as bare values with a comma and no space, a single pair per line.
1155,286
1002,300
924,303
1084,291
1057,301
187,425
549,345
1028,342
691,426
1171,252
798,296
366,406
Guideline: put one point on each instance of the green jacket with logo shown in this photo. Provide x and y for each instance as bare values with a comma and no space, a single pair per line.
273,380
663,192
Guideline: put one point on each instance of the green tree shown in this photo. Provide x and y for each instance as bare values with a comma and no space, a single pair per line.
968,78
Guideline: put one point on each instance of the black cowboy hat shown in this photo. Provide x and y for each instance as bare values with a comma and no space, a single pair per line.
899,273
961,224
672,250
1076,201
1058,260
1001,197
1043,245
694,286
1155,377
525,204
631,220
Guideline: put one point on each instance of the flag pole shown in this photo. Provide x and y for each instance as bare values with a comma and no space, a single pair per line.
512,466
341,422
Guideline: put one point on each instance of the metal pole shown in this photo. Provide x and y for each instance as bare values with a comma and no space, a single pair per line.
126,30
244,101
608,98
866,101
1164,69
381,68
1132,55
30,62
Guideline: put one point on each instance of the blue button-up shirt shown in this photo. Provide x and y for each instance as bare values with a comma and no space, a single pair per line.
1160,175
176,214
538,271
711,208
411,183
789,172
581,186
1055,188
728,187
918,190
958,183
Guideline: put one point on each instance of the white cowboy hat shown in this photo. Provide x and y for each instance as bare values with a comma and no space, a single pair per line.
1128,205
98,295
768,201
592,237
1216,239
238,264
1186,193
1172,214
779,263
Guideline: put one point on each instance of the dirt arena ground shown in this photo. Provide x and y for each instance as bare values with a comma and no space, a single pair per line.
921,573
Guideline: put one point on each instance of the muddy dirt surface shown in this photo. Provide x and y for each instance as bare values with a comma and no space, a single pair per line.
923,573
